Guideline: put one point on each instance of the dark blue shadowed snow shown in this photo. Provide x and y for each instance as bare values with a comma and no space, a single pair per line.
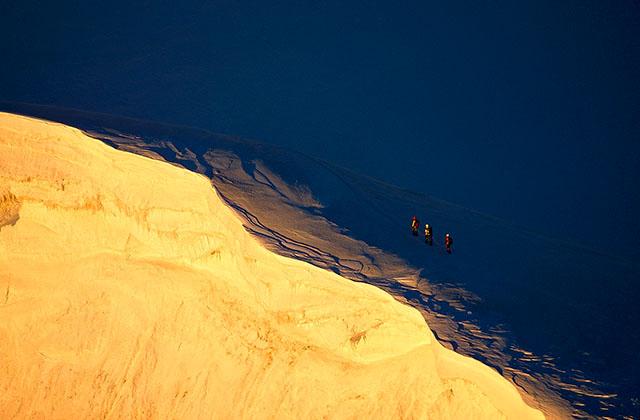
555,318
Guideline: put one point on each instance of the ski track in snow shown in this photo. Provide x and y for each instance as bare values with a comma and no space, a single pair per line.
304,208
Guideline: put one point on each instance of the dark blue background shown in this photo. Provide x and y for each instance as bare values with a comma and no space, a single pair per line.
524,110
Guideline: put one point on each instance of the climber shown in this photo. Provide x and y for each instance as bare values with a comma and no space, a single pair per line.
414,226
428,232
448,241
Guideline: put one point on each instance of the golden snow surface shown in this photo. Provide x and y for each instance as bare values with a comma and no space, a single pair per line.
128,290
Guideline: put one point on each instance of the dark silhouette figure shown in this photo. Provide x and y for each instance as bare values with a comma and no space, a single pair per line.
448,241
428,235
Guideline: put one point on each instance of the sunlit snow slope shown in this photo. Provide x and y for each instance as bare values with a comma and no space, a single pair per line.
554,318
130,290
550,315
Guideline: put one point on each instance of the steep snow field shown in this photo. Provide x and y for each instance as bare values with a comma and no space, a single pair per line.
131,290
554,318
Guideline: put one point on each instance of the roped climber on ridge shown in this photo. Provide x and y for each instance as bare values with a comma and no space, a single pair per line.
428,235
414,226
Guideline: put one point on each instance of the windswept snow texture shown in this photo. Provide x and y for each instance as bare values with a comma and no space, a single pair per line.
132,291
556,319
